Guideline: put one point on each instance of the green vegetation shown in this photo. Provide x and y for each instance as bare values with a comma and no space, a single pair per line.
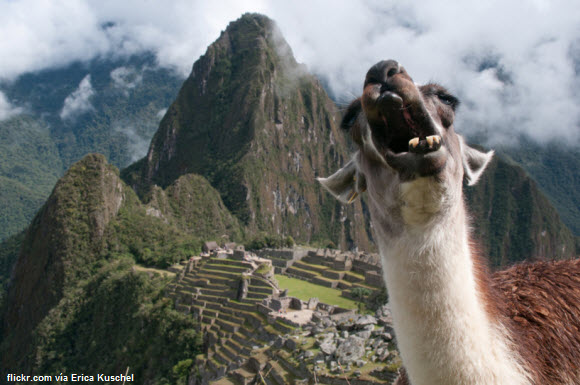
148,239
37,146
555,168
156,342
29,167
9,250
84,243
306,290
263,268
513,220
264,240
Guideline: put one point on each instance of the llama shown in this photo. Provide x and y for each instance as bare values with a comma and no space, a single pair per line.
455,322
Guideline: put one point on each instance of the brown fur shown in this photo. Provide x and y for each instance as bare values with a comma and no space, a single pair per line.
539,304
403,379
541,308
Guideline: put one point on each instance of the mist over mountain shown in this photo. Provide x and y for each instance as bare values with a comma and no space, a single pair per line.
515,79
555,168
108,106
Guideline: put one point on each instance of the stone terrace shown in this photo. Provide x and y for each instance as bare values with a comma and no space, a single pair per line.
339,270
229,297
282,259
209,288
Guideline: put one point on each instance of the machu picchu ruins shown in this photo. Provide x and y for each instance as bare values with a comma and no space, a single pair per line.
255,331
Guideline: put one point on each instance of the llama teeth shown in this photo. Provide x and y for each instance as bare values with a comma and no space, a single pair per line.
413,143
433,139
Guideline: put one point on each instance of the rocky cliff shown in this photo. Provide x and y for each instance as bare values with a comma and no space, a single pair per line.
253,122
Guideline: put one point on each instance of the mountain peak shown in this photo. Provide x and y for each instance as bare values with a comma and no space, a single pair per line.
60,245
253,122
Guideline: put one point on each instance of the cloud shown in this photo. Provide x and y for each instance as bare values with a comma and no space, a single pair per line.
136,144
78,102
126,78
515,64
161,113
7,110
37,34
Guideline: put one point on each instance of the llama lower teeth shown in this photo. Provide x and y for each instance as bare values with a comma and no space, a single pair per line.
413,143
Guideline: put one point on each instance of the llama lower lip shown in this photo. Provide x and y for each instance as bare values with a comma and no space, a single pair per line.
409,165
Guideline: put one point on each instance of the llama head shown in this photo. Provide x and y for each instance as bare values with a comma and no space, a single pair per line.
409,154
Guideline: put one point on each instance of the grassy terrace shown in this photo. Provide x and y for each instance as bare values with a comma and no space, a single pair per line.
306,290
155,271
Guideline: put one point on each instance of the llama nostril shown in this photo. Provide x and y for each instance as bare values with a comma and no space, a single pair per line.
392,68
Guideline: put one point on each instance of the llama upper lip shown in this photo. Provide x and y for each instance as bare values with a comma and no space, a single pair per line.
411,143
403,118
390,97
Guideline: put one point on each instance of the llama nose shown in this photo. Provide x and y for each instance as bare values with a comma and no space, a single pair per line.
391,68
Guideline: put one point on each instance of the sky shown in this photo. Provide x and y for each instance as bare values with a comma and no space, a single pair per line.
515,64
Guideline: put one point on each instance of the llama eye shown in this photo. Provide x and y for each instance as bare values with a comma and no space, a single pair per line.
447,99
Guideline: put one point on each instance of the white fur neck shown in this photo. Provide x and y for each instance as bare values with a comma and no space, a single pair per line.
443,331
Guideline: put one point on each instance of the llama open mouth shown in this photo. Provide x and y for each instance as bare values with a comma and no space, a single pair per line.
410,141
406,126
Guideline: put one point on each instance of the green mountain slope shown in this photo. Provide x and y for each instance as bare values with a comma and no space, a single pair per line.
29,167
556,169
60,247
260,128
193,205
74,278
116,115
117,319
513,221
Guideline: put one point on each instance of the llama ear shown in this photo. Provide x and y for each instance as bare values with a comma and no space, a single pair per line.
474,161
351,114
346,184
349,122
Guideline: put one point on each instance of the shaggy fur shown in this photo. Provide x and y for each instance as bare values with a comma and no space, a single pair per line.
541,302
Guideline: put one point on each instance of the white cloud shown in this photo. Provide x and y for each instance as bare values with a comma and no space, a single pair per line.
7,110
78,102
126,78
136,144
161,113
529,51
37,34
